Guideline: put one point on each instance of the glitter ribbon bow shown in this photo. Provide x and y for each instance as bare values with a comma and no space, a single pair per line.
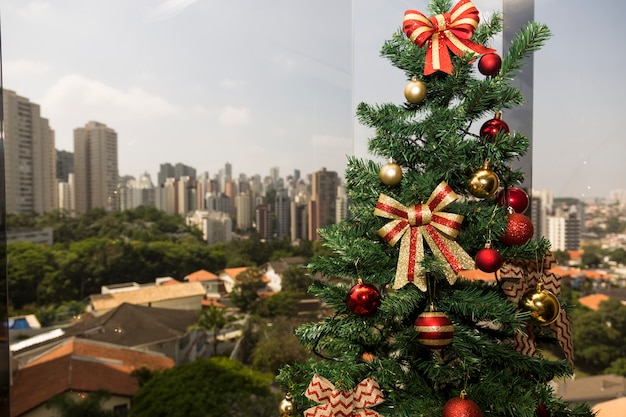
427,221
445,32
335,403
531,274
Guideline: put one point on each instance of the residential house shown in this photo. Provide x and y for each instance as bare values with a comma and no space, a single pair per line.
592,389
160,330
213,285
183,296
593,301
274,270
77,367
229,276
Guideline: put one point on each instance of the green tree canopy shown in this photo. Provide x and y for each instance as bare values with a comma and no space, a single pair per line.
71,406
215,387
600,337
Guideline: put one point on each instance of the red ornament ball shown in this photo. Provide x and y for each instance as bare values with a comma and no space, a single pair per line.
461,407
519,230
542,410
490,64
513,197
492,127
363,299
434,329
488,260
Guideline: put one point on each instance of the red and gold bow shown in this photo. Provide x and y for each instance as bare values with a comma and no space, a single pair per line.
533,273
335,403
427,221
445,32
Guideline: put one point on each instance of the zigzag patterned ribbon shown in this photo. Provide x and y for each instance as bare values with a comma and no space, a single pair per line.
445,32
355,403
427,221
529,274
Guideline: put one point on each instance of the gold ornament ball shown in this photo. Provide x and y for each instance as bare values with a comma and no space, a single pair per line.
391,173
285,408
542,304
415,91
483,183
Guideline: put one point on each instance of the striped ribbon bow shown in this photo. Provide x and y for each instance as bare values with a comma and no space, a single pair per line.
335,403
445,32
411,225
531,274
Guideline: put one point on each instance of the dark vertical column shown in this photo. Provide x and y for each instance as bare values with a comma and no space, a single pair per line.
5,371
516,14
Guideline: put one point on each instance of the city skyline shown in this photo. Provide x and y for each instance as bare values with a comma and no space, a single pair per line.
205,83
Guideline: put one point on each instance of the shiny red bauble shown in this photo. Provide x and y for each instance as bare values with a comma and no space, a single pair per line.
488,260
434,329
363,299
461,407
492,127
542,411
513,197
490,64
519,230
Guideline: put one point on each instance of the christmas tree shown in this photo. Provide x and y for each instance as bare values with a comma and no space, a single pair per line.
407,334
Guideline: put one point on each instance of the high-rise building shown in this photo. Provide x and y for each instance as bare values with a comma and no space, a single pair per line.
166,171
324,194
133,193
263,221
299,221
220,203
216,226
65,165
95,167
66,195
341,205
282,210
243,202
30,157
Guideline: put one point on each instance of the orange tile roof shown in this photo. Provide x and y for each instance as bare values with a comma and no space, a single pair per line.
575,255
593,301
80,365
233,272
207,303
201,275
477,274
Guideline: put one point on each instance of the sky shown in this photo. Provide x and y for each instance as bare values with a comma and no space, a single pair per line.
275,83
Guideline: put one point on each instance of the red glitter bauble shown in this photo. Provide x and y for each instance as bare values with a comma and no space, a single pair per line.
461,407
513,197
491,127
488,260
490,64
363,299
519,230
434,329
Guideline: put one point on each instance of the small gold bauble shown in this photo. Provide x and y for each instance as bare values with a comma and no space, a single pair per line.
542,304
285,408
483,183
415,91
391,173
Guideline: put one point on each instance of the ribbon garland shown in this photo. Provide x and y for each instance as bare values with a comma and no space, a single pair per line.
335,403
445,32
427,221
535,272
